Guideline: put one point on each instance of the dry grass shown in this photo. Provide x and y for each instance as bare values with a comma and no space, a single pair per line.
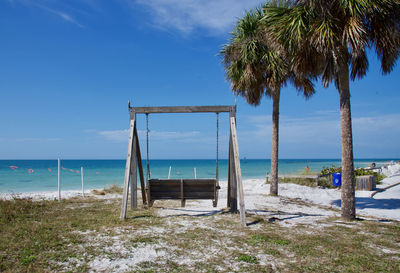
325,182
81,235
114,189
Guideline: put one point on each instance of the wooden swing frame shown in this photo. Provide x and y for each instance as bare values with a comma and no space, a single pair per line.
134,163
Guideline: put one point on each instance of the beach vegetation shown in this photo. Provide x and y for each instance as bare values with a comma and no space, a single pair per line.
357,172
85,234
256,66
113,189
247,258
331,39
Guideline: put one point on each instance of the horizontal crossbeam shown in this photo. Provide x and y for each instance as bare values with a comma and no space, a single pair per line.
184,109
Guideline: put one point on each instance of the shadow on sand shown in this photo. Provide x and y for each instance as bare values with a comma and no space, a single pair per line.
270,215
274,214
371,203
194,213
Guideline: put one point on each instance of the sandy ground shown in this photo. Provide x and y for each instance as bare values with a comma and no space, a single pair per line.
295,204
301,204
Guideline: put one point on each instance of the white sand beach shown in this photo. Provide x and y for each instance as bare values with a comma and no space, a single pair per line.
306,208
301,204
295,203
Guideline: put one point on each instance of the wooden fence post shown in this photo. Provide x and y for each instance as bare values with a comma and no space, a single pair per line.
83,191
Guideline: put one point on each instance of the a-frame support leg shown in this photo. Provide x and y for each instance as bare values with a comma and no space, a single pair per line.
128,167
133,174
140,167
232,187
237,172
228,194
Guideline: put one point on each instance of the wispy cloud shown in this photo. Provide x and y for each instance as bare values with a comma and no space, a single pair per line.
115,135
317,130
123,135
185,16
31,139
324,129
188,15
46,6
62,15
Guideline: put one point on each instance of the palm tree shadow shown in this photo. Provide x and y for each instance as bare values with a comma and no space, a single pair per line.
275,215
195,213
371,203
139,217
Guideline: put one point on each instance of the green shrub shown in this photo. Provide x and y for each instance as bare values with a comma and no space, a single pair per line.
248,259
357,172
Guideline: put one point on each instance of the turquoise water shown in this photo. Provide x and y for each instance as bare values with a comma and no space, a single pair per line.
41,175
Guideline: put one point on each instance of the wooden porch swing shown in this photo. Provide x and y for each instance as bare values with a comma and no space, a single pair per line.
181,189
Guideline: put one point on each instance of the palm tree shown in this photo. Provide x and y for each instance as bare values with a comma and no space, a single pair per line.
255,67
331,38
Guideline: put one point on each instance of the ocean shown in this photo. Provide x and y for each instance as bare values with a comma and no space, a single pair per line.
17,176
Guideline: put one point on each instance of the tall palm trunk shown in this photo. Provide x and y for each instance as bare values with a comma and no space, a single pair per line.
348,195
275,143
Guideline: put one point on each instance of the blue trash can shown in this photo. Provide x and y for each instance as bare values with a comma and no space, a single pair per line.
337,179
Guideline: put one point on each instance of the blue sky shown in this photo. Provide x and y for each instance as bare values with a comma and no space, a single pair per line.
68,69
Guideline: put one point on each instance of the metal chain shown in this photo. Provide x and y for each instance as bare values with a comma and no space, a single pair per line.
147,148
216,172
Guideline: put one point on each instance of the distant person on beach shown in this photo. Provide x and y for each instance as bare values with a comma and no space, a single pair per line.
306,169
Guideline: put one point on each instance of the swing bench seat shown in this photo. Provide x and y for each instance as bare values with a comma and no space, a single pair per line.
182,189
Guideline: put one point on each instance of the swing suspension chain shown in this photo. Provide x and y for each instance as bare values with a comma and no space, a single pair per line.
147,148
216,171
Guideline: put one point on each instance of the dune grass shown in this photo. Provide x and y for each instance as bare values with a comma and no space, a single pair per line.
307,181
71,235
111,189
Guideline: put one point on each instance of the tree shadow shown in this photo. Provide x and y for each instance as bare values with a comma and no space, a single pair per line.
274,214
139,217
371,203
271,215
196,213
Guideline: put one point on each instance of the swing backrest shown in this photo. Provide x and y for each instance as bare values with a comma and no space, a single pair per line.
182,188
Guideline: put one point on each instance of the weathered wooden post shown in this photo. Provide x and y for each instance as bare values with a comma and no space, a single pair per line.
83,192
238,172
133,174
128,164
232,183
59,180
366,182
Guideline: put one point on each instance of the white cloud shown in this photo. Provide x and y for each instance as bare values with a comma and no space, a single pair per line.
185,16
324,129
62,15
66,17
45,5
188,15
123,135
167,135
315,130
379,131
115,135
31,139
